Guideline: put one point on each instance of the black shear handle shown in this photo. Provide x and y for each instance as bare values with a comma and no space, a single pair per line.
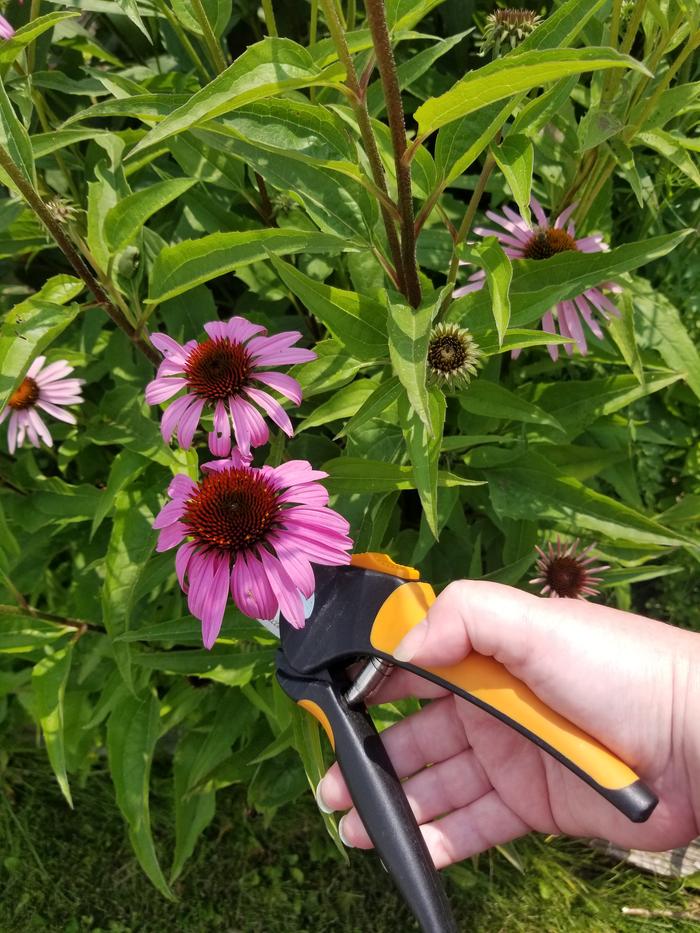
379,798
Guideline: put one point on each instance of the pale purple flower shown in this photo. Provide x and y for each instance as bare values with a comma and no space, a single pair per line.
522,241
225,374
251,532
566,572
46,388
6,29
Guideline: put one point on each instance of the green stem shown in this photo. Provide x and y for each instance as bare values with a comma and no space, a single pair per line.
690,46
359,106
464,228
376,19
351,15
217,56
73,256
183,37
313,25
270,20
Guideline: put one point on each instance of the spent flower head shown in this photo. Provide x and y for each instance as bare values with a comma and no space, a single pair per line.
224,374
251,532
520,240
565,572
507,29
453,356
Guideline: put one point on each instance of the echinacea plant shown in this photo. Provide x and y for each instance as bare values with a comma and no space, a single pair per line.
521,240
224,375
45,388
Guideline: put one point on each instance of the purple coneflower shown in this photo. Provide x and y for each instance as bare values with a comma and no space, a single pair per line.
566,572
6,29
222,373
252,532
521,241
45,388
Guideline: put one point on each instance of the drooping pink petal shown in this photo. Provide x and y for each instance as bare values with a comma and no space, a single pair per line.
171,536
536,208
188,424
181,487
201,573
161,389
282,383
182,559
575,326
513,241
166,344
240,330
272,408
250,588
602,303
12,428
281,341
54,371
588,316
220,438
297,566
173,413
170,513
215,602
549,326
285,357
33,370
248,425
287,594
60,413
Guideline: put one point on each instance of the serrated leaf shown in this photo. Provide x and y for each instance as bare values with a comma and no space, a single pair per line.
15,140
408,330
265,69
515,158
511,75
132,733
124,221
181,267
499,272
49,678
358,321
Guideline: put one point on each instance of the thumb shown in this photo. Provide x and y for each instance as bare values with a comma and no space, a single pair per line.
469,615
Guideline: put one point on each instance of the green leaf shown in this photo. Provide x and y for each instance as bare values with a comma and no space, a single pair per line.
132,733
515,156
49,678
534,489
350,475
131,9
130,546
377,403
510,75
356,320
596,126
423,444
20,634
622,332
265,69
577,404
124,221
125,468
179,268
535,114
668,146
194,811
341,405
491,400
11,48
218,13
539,284
409,335
499,272
405,14
187,630
15,139
26,331
661,328
233,668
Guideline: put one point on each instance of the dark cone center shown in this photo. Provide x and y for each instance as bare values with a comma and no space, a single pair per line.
545,243
217,369
566,576
446,353
231,510
25,396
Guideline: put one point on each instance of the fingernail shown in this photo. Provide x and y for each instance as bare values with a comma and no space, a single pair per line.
321,803
343,838
410,644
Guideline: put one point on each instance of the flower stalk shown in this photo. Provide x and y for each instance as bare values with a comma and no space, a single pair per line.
217,56
359,105
79,265
376,20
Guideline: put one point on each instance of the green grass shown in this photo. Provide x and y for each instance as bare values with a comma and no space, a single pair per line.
73,872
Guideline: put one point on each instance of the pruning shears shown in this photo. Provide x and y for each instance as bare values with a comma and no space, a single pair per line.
361,612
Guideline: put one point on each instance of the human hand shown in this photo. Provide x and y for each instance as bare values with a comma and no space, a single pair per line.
473,782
